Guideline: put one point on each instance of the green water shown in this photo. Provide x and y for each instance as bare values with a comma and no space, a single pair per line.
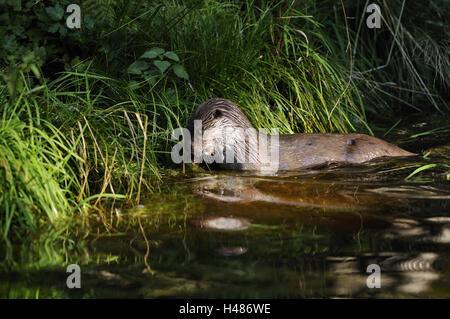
302,234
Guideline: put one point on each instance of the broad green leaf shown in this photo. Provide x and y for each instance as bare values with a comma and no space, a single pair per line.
180,71
17,4
172,55
137,67
35,70
17,29
161,65
153,53
133,85
88,22
150,78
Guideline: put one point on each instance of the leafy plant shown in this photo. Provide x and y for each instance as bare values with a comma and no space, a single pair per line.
73,123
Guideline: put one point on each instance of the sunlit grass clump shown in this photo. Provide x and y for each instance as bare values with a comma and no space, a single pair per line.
63,149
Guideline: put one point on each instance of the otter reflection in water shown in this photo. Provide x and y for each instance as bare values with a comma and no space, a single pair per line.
223,124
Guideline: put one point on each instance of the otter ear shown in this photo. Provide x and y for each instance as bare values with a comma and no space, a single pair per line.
217,113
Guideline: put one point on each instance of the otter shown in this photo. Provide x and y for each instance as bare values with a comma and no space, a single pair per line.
223,122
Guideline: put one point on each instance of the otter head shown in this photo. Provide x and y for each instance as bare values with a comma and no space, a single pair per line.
222,124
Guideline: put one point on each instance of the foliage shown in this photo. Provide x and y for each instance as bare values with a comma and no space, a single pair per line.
162,61
87,113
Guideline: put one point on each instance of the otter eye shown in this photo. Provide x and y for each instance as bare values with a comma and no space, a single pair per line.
217,113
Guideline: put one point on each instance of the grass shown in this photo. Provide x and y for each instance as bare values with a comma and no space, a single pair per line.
401,66
73,135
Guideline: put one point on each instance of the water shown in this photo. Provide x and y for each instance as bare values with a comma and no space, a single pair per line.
304,234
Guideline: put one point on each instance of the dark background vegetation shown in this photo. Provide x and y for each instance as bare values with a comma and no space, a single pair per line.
87,113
